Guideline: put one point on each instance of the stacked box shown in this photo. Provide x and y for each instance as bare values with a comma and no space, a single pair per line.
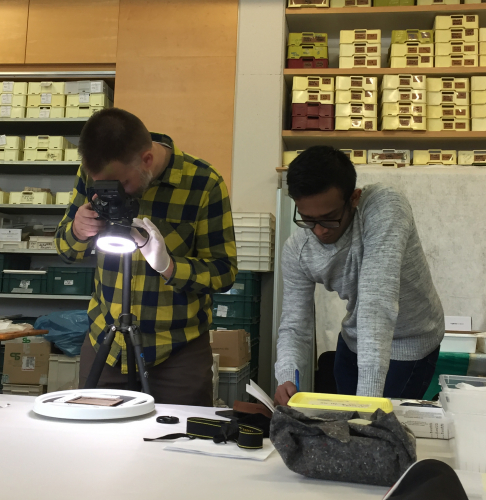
471,158
393,3
255,240
13,99
29,197
389,157
434,157
24,281
482,46
46,148
403,102
308,3
412,49
11,148
360,49
70,280
356,102
456,41
478,103
313,103
357,156
336,4
307,50
448,104
439,2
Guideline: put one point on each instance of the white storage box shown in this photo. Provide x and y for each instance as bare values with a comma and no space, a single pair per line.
357,156
448,97
356,123
45,112
458,61
455,21
89,87
324,83
289,156
11,155
478,96
357,109
459,342
357,83
263,234
252,248
23,389
478,111
459,47
352,36
403,122
10,234
91,99
403,108
253,219
4,196
478,124
303,96
364,61
18,88
404,95
255,264
11,142
11,112
413,82
452,35
411,49
54,100
13,245
38,88
84,111
438,2
434,156
47,142
43,154
42,243
448,83
482,48
389,155
72,155
30,198
63,373
476,157
17,101
412,62
63,198
448,111
356,96
356,49
440,124
468,411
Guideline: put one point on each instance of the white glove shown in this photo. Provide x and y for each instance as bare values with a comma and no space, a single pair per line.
155,251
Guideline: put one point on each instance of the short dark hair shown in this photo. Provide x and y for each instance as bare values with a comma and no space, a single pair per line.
318,169
112,135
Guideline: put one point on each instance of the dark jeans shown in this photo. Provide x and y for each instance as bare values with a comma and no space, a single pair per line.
405,379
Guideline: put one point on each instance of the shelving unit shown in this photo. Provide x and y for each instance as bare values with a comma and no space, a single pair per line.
39,167
44,297
33,209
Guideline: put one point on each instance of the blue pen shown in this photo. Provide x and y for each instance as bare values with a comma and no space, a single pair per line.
297,381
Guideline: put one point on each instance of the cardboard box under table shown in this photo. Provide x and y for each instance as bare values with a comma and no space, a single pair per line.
233,347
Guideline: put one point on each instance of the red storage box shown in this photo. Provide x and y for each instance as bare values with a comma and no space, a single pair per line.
313,109
307,63
312,123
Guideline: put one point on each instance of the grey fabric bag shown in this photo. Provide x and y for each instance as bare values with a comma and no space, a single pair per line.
333,447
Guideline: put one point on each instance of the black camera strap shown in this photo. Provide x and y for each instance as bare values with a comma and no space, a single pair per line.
245,436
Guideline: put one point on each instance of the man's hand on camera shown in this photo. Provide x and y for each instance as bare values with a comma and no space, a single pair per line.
155,251
283,393
85,224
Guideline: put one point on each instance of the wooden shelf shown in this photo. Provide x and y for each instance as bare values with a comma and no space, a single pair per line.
363,140
34,209
42,126
331,21
39,167
44,297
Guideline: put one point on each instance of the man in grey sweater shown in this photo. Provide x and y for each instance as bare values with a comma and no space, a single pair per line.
364,245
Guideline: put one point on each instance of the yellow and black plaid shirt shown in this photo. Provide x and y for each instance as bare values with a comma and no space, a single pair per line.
189,204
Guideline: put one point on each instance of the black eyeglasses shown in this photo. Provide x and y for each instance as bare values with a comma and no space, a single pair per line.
311,224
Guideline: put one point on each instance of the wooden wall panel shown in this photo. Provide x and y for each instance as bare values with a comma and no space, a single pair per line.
176,64
72,31
13,30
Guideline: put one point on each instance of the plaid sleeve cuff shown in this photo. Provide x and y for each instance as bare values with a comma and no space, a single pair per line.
182,275
73,242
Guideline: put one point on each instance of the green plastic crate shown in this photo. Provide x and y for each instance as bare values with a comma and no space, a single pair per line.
237,306
12,261
255,354
252,325
232,385
247,284
2,354
28,282
70,280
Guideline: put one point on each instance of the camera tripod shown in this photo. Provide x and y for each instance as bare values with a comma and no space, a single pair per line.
131,334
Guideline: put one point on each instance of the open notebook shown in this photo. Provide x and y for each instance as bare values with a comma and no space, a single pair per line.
258,393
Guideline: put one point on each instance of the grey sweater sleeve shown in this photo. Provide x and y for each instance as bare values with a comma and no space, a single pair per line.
388,221
296,332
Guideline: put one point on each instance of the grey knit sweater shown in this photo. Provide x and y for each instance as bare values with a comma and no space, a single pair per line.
378,266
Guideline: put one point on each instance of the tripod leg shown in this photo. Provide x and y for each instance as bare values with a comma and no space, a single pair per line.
100,359
136,339
132,373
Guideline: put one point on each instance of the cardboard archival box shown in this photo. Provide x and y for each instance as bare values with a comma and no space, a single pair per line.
426,419
233,347
26,361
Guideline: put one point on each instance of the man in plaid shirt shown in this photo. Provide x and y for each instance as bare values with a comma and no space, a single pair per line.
191,254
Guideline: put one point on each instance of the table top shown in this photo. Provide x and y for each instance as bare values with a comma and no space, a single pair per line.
53,459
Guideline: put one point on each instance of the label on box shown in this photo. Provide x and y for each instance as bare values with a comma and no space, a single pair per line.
478,158
470,19
368,125
68,282
28,363
360,49
7,98
469,32
325,97
44,113
311,83
460,126
404,122
24,284
239,286
446,85
371,62
417,119
411,50
425,50
359,154
3,140
84,98
96,87
356,82
460,85
222,311
5,111
457,22
425,59
417,109
22,290
460,112
356,109
360,61
8,86
412,61
326,81
46,98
